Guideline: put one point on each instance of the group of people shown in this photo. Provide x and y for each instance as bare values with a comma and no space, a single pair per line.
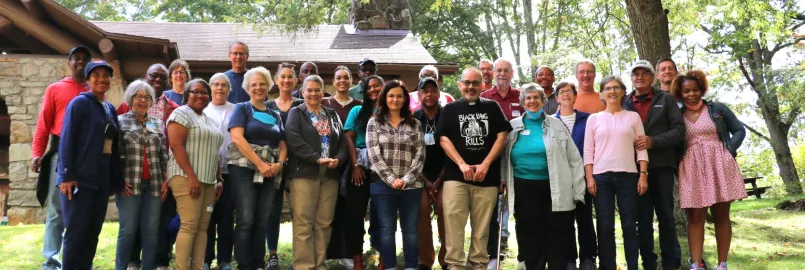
204,165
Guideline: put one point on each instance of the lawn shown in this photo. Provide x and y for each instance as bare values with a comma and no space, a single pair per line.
764,238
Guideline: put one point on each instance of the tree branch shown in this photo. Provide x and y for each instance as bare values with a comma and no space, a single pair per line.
782,46
746,74
756,132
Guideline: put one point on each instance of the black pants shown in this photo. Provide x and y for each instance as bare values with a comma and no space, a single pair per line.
541,233
588,246
494,227
221,220
660,199
357,200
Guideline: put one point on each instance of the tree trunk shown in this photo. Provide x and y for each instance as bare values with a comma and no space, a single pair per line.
782,153
649,25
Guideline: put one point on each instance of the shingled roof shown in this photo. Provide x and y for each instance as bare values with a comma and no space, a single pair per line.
327,43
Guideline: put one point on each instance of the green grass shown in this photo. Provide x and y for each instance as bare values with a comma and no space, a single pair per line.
763,238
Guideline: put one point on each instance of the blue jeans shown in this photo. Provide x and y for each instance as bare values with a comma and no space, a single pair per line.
623,186
253,205
54,226
387,202
660,198
138,213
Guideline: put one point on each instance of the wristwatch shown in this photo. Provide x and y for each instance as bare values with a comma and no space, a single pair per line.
646,173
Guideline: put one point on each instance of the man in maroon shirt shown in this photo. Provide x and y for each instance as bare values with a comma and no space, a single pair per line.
506,96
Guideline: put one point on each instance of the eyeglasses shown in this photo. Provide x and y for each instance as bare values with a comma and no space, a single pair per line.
612,88
142,97
238,53
200,93
637,75
565,92
503,70
157,76
473,83
177,72
219,85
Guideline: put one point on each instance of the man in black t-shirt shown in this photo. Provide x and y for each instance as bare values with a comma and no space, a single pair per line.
472,131
428,94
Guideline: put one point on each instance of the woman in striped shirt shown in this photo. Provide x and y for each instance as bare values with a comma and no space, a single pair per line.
193,171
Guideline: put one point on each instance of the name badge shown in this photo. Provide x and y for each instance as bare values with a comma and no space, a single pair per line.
515,113
526,132
150,125
209,208
429,140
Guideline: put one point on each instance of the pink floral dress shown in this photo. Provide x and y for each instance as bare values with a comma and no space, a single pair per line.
708,173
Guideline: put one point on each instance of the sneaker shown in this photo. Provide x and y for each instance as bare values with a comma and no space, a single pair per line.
521,266
224,266
348,263
722,266
588,264
273,262
572,265
493,264
162,268
423,267
701,266
206,267
133,266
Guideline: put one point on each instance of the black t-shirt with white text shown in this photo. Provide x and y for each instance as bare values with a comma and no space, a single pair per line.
473,130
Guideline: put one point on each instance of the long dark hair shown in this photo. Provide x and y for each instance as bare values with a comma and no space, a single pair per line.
368,104
383,112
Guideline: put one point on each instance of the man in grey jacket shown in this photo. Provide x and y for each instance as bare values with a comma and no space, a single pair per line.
665,131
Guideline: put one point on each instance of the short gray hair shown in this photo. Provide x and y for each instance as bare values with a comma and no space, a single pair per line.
485,61
532,88
221,76
312,78
257,71
584,61
430,68
494,65
135,87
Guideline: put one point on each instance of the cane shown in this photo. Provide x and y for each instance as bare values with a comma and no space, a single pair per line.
500,224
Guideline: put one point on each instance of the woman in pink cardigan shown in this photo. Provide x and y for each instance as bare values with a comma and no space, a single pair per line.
612,171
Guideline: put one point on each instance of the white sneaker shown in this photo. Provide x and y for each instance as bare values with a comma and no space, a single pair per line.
521,266
493,264
348,263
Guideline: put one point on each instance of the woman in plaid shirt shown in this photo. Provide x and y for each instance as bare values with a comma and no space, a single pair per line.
145,159
397,152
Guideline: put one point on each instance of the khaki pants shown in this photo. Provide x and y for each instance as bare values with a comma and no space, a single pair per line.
461,201
313,202
191,242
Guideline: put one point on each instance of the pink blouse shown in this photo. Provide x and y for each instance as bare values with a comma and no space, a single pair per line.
609,142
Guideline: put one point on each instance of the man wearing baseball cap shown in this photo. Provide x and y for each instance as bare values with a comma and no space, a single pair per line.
366,67
665,131
430,96
48,127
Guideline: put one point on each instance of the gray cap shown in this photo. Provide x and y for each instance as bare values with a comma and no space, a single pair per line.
642,64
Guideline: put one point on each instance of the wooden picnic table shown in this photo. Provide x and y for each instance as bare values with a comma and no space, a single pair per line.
755,190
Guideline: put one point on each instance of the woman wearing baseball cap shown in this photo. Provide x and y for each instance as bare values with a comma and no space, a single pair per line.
90,168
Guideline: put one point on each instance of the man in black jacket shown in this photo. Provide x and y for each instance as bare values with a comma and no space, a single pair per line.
665,131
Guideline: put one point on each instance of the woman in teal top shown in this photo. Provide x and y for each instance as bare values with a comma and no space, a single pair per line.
357,192
544,168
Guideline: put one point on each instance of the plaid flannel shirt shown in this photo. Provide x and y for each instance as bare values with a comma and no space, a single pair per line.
135,137
396,152
266,153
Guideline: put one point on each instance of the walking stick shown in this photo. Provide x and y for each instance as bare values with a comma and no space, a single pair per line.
500,225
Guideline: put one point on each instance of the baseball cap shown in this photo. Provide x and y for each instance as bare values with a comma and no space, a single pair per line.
642,64
79,48
97,64
426,80
367,60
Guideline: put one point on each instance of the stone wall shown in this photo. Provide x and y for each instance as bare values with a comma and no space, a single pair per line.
380,14
23,80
